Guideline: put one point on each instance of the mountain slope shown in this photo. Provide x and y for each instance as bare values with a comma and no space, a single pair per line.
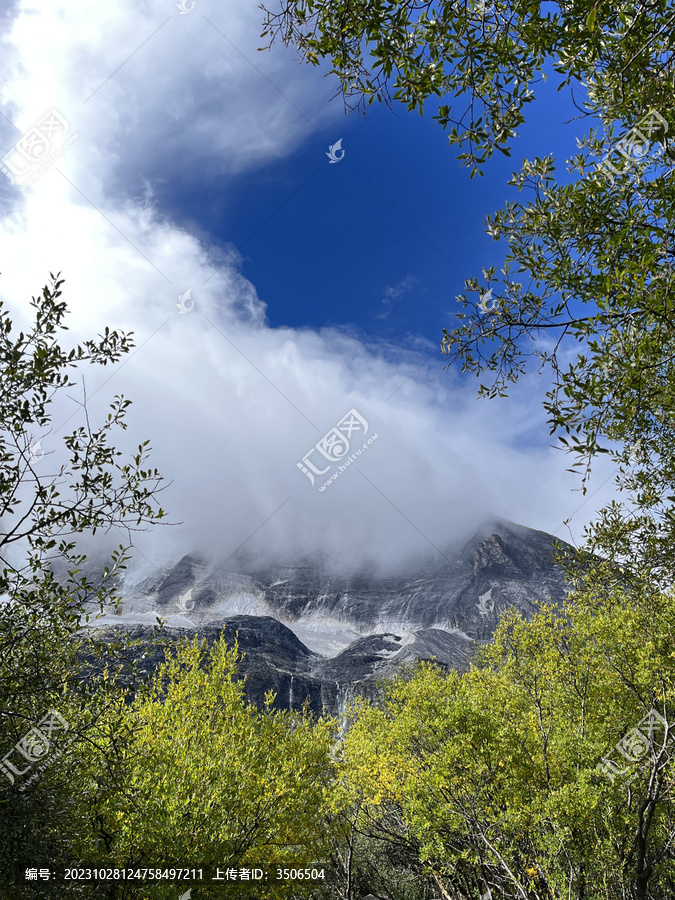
309,632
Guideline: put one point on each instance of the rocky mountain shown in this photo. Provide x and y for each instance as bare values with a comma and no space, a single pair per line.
308,633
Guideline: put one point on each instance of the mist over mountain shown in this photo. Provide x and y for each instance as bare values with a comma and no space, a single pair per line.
311,634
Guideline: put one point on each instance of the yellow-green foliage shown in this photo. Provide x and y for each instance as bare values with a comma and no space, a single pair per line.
494,773
210,780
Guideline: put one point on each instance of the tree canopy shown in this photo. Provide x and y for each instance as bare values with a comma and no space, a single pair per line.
209,779
544,771
46,595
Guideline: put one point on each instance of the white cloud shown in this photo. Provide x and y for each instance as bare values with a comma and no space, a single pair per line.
231,405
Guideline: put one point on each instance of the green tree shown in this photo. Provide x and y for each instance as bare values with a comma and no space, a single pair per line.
487,56
511,777
210,781
45,596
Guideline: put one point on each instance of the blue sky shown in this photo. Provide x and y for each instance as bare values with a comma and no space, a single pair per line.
381,241
188,161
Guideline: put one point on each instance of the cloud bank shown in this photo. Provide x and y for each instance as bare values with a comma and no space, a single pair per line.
232,406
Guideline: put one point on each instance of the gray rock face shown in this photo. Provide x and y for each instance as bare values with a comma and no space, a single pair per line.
309,634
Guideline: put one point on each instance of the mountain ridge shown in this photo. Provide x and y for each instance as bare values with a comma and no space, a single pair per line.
338,630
